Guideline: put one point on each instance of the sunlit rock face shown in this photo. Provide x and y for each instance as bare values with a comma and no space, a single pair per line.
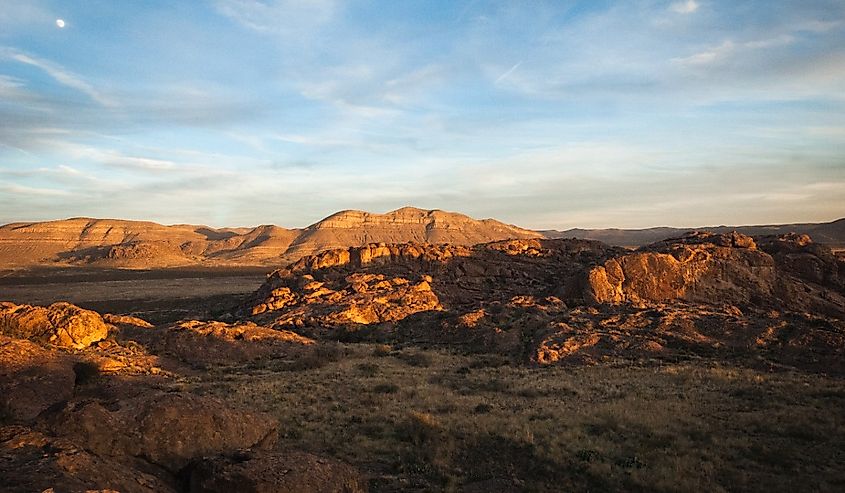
60,324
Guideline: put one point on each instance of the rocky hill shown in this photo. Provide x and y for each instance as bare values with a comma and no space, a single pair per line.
779,298
136,244
831,234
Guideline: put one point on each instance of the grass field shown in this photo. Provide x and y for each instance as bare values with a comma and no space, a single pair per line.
424,420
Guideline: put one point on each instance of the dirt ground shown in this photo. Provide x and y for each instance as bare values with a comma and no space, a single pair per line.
158,296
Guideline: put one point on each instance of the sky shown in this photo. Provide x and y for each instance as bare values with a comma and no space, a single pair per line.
550,114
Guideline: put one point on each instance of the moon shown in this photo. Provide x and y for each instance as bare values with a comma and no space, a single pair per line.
60,23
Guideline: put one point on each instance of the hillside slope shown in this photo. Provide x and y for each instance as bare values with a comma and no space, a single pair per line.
141,244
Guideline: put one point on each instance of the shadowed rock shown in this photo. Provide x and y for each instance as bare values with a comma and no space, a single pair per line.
32,379
167,429
32,461
280,472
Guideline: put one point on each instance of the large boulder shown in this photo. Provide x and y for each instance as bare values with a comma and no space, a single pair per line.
32,379
60,324
31,461
167,429
280,472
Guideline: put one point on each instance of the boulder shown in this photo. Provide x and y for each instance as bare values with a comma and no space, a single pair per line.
60,324
280,472
699,267
31,461
166,429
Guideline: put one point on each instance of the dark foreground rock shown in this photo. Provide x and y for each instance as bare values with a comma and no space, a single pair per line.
280,472
32,379
166,429
31,461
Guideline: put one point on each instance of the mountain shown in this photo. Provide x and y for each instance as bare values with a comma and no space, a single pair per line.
141,244
832,233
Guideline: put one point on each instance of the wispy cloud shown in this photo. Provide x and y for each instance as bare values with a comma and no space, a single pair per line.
278,16
508,72
59,74
29,191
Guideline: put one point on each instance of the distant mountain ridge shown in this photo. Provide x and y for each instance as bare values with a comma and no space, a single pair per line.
831,233
143,244
115,243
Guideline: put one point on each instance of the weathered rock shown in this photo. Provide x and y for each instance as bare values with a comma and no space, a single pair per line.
280,472
60,324
196,342
799,256
167,429
31,461
381,283
32,379
699,267
126,320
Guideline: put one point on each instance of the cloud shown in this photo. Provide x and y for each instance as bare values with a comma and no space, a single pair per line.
508,72
29,191
709,56
59,74
286,17
687,7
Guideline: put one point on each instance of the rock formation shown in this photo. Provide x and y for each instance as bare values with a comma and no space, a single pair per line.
262,472
60,324
555,301
84,407
207,343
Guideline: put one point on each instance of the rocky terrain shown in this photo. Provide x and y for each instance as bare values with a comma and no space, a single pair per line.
520,364
143,245
557,301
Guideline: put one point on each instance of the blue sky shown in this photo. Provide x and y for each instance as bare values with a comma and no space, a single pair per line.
544,114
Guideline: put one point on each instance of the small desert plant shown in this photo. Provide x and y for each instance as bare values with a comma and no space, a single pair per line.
85,372
417,359
368,369
386,388
382,350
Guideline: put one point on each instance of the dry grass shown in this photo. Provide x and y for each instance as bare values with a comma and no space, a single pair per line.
432,420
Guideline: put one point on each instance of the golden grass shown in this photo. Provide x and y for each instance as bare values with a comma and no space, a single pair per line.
431,420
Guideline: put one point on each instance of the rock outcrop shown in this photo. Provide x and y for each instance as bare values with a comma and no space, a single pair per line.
166,429
280,472
528,298
204,343
32,461
60,324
